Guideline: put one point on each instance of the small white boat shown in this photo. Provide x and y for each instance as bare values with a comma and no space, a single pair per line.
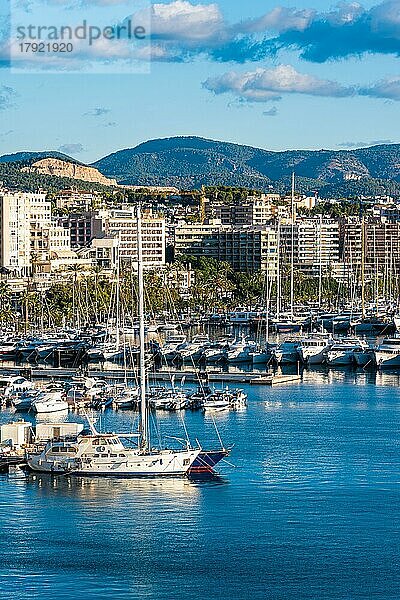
127,398
241,351
194,350
49,402
172,346
169,399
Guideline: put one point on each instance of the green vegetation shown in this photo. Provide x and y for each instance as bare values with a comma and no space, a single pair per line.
190,162
13,178
229,195
345,208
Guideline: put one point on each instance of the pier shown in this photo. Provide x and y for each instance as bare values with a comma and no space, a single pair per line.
178,375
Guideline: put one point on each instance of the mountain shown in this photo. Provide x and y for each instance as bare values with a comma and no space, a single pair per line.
31,157
54,166
189,162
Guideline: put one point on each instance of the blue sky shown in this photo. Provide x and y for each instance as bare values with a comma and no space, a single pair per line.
276,75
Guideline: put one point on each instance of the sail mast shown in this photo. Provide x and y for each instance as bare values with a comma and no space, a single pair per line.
117,298
278,273
144,414
292,250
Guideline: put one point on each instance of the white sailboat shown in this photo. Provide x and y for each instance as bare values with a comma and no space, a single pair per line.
98,454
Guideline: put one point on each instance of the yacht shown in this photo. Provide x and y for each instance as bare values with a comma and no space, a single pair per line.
172,346
216,352
364,357
241,351
169,399
341,353
312,349
286,353
128,397
225,399
49,402
387,354
194,350
396,322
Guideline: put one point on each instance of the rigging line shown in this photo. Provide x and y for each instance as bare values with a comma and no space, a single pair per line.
217,431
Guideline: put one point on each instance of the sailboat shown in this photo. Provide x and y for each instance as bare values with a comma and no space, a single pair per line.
105,454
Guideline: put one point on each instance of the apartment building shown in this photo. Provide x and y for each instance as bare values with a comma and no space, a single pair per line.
122,224
255,210
77,199
245,248
381,249
15,242
81,227
315,244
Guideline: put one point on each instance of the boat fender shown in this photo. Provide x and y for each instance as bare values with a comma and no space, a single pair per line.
101,449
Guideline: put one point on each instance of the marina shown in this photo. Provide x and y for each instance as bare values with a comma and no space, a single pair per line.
315,463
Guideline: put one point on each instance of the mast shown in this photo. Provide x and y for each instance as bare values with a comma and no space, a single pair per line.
376,274
363,266
320,263
278,273
144,440
292,253
117,299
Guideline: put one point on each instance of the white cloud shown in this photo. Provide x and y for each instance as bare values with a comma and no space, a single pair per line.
262,85
280,18
181,20
386,88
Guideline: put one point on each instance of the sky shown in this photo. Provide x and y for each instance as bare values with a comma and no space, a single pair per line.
273,74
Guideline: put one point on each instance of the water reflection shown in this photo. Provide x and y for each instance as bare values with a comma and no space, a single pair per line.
179,490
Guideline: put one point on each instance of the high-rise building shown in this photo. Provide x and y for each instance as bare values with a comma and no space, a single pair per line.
315,245
122,224
15,242
246,248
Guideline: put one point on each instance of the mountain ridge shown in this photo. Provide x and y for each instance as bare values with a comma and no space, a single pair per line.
188,162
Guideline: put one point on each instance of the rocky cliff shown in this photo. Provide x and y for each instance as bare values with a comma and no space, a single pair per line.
61,168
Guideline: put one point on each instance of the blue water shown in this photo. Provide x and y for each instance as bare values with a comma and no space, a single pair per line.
311,509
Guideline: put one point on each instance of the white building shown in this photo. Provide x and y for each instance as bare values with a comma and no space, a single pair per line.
315,244
122,224
15,229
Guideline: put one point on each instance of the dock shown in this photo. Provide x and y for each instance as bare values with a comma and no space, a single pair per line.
165,376
276,379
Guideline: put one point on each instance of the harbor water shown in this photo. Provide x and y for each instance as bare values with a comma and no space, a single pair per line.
310,509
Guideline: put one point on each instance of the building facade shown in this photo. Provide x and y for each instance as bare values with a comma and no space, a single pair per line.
315,244
246,248
255,210
122,224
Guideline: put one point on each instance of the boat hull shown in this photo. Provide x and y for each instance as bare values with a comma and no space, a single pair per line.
384,360
133,465
203,466
316,358
340,359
